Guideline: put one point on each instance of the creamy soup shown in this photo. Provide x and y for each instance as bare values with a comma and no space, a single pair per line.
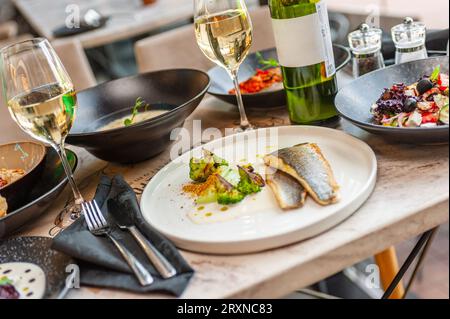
140,117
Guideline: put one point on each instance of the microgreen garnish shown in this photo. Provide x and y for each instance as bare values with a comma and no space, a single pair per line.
5,281
266,63
435,75
140,102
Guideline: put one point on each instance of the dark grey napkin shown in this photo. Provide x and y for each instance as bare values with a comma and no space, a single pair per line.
100,262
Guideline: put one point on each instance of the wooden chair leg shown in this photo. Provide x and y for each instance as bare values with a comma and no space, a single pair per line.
388,264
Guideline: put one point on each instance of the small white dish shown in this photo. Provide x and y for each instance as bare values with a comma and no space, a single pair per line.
258,223
28,279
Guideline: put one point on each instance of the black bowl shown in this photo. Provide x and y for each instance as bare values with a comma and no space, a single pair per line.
221,82
178,91
41,194
28,156
354,101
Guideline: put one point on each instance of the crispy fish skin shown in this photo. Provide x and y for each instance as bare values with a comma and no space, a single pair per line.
306,163
289,193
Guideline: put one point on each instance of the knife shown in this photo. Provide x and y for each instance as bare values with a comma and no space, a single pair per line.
162,265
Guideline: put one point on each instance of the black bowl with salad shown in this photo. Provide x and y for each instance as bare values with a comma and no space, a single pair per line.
406,102
421,104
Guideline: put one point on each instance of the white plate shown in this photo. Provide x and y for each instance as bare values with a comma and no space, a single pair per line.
258,223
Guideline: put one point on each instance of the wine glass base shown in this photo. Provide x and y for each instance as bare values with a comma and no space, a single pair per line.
69,214
241,129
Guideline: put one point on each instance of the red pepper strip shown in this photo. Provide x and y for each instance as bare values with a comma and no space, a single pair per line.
429,117
260,81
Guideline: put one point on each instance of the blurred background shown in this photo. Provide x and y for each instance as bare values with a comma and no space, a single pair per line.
104,44
121,23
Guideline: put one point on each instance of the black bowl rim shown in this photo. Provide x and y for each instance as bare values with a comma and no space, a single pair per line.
375,127
60,184
388,128
153,119
264,93
34,167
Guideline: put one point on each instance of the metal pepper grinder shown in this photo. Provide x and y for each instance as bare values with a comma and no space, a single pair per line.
409,38
365,44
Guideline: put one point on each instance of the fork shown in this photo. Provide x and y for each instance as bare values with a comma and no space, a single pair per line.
98,226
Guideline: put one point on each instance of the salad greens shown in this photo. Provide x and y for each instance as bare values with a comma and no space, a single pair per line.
435,75
421,104
5,281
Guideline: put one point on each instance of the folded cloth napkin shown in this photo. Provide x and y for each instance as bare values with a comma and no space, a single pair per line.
100,262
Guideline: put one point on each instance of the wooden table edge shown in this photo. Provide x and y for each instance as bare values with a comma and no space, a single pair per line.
281,284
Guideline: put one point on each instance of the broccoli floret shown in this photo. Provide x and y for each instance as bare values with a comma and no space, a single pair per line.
250,182
232,197
206,192
208,196
226,193
218,189
202,168
247,187
219,183
218,161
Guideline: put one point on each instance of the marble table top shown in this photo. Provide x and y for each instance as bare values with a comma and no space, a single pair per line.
411,196
127,18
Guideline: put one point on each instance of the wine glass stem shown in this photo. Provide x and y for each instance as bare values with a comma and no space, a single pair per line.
245,124
78,198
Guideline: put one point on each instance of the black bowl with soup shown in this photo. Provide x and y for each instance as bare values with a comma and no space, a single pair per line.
171,95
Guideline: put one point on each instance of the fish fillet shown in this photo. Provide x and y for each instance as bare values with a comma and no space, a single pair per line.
289,193
306,163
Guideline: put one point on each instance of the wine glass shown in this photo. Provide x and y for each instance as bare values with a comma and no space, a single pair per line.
224,34
40,98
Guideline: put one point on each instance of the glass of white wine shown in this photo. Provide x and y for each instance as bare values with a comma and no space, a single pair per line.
224,34
41,98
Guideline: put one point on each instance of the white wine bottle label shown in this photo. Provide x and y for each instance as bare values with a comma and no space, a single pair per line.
322,11
305,41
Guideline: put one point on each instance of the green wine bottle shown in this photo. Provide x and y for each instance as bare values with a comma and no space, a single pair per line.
305,52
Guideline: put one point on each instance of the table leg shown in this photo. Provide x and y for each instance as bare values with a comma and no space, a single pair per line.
420,250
